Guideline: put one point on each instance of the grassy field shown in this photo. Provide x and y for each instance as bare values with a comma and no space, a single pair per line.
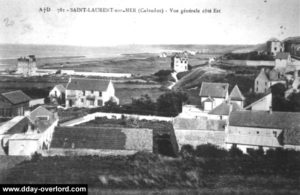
145,172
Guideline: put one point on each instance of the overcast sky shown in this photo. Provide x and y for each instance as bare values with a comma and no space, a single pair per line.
240,22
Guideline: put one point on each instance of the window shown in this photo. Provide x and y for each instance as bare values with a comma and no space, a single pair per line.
275,133
266,83
92,91
257,132
45,118
100,93
83,92
257,82
82,100
275,48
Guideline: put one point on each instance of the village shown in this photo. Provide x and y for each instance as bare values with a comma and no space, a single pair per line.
83,117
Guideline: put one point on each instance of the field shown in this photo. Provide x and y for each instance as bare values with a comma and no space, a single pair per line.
207,170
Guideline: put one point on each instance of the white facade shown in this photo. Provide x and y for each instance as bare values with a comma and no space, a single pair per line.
179,64
210,105
262,104
27,66
55,92
274,46
86,98
282,63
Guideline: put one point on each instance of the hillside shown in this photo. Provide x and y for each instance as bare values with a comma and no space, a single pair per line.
198,75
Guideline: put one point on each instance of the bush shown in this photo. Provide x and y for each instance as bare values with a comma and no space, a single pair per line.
187,151
210,151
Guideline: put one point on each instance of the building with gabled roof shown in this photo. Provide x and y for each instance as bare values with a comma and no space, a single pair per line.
267,78
213,94
24,135
13,103
81,92
57,92
263,129
236,96
263,104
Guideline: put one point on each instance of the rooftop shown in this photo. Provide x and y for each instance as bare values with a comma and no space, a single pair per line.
214,90
287,121
60,88
87,84
282,55
16,97
236,94
201,123
224,109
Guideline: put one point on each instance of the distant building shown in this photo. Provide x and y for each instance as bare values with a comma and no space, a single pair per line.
292,45
101,140
179,63
282,60
213,94
274,46
263,104
27,66
263,129
197,131
236,96
266,79
13,103
89,92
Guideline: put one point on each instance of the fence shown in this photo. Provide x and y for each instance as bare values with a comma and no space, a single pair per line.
93,116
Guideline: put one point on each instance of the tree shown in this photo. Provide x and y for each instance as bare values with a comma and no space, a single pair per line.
170,104
143,105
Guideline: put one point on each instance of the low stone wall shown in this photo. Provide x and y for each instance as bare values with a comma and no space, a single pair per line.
100,74
85,152
249,63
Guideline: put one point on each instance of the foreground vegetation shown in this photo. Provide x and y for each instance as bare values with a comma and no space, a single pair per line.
206,167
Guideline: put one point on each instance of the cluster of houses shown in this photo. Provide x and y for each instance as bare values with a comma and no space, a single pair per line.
220,118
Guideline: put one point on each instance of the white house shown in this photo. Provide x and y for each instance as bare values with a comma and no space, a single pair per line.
179,63
213,94
263,129
89,92
27,66
57,92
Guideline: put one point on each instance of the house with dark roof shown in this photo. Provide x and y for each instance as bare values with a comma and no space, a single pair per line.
282,60
213,94
263,129
101,140
198,131
179,62
82,92
13,103
267,78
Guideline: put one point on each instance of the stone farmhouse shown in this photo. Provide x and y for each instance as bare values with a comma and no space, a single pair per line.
102,140
13,103
89,92
263,129
266,79
179,62
27,66
197,131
